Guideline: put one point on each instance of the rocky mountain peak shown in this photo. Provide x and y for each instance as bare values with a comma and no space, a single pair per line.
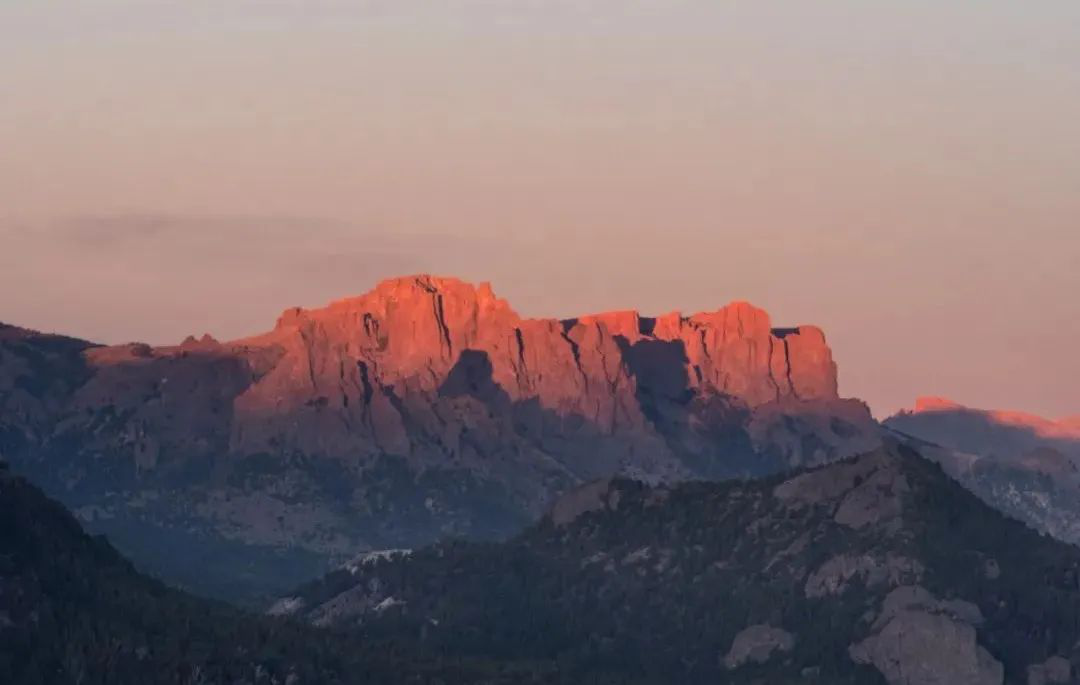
417,327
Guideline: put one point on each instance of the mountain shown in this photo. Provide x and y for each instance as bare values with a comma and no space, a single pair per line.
72,610
876,569
1004,435
423,409
1022,464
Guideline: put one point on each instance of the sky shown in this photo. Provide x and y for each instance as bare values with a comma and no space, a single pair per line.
904,174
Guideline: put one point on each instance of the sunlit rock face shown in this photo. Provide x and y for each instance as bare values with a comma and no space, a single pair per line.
347,367
424,408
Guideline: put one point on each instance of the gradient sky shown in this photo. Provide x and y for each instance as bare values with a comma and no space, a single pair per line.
905,174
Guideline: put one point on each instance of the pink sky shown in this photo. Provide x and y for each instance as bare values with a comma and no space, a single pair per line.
905,176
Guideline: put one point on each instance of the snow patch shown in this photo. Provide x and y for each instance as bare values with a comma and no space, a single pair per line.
388,603
368,558
286,606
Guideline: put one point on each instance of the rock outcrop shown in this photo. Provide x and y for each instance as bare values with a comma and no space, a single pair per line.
1056,669
595,496
838,573
426,407
920,640
862,493
757,644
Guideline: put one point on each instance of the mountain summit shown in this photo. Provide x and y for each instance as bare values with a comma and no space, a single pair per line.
1004,433
424,408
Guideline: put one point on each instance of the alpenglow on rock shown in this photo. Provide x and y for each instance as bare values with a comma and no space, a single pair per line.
426,407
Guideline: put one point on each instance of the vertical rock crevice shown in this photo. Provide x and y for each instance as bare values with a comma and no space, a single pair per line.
787,366
444,330
575,351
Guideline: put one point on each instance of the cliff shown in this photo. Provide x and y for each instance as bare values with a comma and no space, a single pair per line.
347,366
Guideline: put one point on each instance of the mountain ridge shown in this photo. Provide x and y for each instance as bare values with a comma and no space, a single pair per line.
874,569
1041,427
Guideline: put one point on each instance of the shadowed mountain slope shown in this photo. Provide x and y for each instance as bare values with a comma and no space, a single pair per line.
73,611
872,570
877,569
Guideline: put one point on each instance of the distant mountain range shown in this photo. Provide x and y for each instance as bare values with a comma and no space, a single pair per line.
875,569
996,434
1024,465
425,409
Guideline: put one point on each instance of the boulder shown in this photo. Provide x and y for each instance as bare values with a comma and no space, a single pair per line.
834,576
757,644
920,640
1056,669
